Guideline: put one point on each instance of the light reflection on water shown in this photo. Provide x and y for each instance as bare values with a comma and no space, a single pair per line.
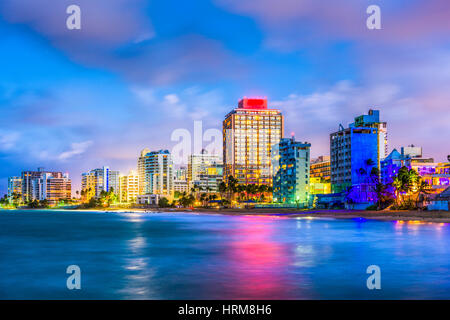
192,256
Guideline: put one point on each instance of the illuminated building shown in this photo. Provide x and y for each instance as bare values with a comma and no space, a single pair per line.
249,132
353,148
141,170
180,182
290,161
158,172
45,185
180,186
98,180
181,173
56,188
319,186
129,187
205,171
14,187
210,178
391,165
321,168
320,179
88,185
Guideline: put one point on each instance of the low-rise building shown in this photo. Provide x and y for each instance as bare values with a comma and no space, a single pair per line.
148,199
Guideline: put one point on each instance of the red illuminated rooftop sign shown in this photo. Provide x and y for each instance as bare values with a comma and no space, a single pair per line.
252,103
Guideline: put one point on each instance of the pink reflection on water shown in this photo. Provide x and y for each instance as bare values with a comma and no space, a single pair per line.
257,264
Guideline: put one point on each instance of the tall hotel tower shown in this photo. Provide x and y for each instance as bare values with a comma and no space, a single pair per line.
352,147
249,132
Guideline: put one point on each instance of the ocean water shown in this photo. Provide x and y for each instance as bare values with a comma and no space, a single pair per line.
192,256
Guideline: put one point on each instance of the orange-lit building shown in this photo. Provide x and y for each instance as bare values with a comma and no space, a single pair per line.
249,132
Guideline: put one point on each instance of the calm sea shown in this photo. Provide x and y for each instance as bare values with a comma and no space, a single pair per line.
190,256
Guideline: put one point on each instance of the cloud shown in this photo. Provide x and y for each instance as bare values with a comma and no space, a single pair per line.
76,149
118,36
293,24
103,22
8,140
312,117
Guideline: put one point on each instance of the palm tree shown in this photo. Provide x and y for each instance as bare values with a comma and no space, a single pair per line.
422,188
222,188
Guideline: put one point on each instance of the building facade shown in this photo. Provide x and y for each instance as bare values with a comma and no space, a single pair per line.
357,149
141,169
129,187
205,171
101,179
14,187
291,172
249,132
45,185
158,172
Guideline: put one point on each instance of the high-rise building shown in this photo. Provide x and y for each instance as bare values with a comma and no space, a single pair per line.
360,146
129,187
88,185
372,120
209,179
45,185
291,172
249,132
14,187
205,171
158,172
181,173
98,180
56,188
141,169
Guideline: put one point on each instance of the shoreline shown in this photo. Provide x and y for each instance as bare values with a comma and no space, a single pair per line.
398,215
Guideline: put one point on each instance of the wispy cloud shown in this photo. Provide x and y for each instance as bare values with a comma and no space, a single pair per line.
8,140
77,148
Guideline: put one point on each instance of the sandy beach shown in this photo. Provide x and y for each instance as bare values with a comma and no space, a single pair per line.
412,216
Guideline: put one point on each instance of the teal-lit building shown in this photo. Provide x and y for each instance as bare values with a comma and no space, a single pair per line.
290,163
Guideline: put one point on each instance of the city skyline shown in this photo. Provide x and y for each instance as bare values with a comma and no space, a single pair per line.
71,105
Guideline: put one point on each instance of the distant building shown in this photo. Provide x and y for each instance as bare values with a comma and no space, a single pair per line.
88,185
321,168
391,165
141,169
290,162
205,171
180,186
45,185
129,187
14,187
157,170
181,173
148,199
249,132
102,179
411,151
357,149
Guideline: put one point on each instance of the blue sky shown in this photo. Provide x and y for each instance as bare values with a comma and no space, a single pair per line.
73,100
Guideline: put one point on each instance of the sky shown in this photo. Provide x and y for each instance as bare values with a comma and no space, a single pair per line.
75,100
